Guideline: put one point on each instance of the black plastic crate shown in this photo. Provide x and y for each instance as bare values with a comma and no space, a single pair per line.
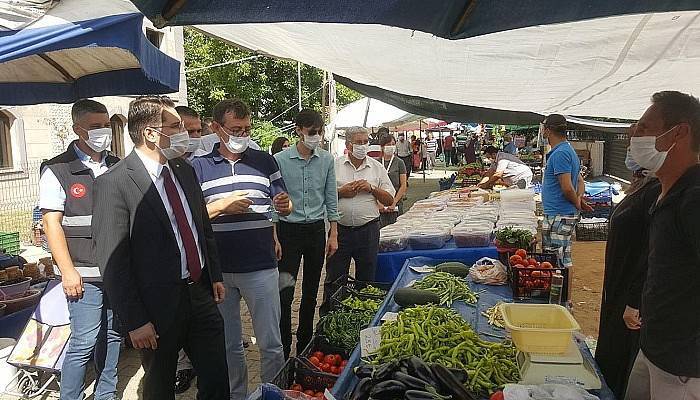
592,231
356,285
534,283
294,371
344,292
504,255
319,343
319,331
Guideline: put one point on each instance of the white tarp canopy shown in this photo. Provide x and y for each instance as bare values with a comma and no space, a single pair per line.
605,67
367,112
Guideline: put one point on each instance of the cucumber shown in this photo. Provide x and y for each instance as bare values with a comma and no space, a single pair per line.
409,297
453,268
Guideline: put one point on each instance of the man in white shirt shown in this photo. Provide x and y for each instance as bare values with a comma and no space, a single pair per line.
507,168
362,182
66,200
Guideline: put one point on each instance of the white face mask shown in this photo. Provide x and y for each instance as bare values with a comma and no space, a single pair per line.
207,144
630,162
643,151
178,145
311,141
359,151
237,144
99,139
195,143
389,150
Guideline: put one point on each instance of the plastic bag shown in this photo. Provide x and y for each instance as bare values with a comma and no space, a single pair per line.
489,271
546,392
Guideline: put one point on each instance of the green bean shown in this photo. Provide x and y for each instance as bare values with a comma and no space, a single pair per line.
440,335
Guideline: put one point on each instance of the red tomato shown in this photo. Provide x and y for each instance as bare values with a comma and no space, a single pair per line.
329,359
344,363
335,370
338,360
546,264
515,259
546,274
532,261
315,361
309,392
497,396
297,387
522,253
319,395
325,367
536,274
318,355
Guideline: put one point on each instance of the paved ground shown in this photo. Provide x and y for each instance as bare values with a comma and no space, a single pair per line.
588,258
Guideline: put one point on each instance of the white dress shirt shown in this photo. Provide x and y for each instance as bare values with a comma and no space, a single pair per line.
155,170
362,208
51,194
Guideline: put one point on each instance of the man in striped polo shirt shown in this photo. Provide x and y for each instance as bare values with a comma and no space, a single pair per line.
242,188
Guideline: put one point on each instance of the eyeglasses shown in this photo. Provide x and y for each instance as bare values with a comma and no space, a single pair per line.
180,126
237,131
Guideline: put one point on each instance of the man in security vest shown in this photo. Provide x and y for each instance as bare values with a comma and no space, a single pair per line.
65,199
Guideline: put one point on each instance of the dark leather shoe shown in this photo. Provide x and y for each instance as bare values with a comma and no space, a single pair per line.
183,380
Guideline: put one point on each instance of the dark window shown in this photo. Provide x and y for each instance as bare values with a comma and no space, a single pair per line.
117,135
5,143
154,37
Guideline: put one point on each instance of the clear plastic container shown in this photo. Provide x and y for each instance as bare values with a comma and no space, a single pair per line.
516,195
428,238
472,235
392,240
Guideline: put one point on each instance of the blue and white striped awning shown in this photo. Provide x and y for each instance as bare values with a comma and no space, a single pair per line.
78,49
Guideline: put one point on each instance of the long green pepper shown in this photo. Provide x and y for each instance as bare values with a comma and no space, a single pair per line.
452,343
450,288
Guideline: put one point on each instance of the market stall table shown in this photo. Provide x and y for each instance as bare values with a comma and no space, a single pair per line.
389,264
489,296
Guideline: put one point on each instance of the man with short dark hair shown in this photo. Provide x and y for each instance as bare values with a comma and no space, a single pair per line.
505,168
667,143
66,199
362,182
404,151
242,188
562,191
309,173
156,251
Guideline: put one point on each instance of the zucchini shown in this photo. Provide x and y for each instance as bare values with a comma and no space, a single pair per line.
409,297
454,268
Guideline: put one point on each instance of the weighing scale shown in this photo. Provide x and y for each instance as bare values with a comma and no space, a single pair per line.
569,368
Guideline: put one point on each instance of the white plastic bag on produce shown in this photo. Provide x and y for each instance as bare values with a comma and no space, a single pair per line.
546,392
489,271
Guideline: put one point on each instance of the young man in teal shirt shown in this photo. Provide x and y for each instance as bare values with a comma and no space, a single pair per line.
309,172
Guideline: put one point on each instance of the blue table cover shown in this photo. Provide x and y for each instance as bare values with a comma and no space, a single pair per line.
389,264
489,295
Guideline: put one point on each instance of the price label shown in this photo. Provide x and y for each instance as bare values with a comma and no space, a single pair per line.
424,269
370,340
390,316
328,395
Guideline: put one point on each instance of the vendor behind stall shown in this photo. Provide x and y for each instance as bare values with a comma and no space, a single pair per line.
506,169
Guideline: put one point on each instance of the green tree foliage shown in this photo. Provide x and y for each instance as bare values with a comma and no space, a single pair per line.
268,85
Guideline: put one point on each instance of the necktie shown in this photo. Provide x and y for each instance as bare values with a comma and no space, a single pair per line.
191,253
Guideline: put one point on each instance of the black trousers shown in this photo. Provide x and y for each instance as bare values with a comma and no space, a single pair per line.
358,243
307,241
199,329
408,162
